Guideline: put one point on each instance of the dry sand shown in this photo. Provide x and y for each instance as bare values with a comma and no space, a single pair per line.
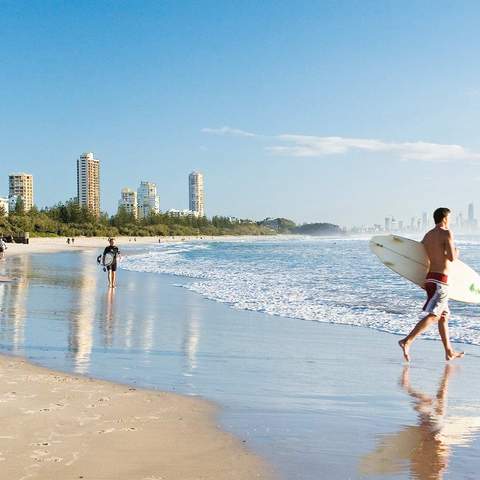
45,245
58,426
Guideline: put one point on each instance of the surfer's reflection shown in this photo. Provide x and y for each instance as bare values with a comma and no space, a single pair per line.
107,320
424,449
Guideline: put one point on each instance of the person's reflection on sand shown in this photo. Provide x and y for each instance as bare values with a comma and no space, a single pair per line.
108,318
424,449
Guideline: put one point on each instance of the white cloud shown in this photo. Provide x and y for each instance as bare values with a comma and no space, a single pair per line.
235,132
311,146
314,146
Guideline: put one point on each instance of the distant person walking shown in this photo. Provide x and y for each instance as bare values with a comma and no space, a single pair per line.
112,250
441,252
3,248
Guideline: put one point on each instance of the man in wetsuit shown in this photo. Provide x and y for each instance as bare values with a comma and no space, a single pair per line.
441,252
112,268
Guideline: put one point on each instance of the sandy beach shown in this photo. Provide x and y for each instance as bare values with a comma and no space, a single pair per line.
314,400
61,426
58,244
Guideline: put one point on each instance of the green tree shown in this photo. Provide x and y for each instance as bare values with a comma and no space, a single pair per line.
19,206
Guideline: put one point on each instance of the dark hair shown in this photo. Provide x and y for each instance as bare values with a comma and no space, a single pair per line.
439,214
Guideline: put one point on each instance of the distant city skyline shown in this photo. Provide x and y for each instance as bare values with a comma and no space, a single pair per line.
421,223
329,111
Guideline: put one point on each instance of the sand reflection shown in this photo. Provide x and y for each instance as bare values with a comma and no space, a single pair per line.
13,295
423,449
80,338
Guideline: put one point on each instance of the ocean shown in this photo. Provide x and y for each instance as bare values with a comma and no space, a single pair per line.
332,280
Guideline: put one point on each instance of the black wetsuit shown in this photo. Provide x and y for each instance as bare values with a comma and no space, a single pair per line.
116,252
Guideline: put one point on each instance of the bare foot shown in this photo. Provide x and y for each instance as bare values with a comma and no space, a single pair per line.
452,355
405,349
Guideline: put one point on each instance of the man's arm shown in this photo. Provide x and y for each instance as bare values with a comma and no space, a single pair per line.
450,250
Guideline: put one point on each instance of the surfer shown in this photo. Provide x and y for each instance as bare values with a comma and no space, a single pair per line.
112,268
441,251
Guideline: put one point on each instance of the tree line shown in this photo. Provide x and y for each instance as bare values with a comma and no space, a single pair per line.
70,219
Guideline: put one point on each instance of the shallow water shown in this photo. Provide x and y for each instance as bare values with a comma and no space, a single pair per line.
325,280
317,400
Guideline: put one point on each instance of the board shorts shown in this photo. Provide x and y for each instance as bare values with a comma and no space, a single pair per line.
436,286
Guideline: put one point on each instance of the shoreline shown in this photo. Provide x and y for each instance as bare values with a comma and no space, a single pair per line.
70,425
300,393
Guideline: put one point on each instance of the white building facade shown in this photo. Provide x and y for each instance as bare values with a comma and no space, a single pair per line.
88,182
182,213
148,199
196,194
20,185
128,201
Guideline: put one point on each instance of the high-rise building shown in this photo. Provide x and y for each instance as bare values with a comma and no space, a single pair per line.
196,193
471,215
21,186
424,221
148,200
387,224
472,223
128,201
88,182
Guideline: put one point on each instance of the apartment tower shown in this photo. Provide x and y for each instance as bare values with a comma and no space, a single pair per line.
148,200
88,182
20,185
196,193
128,201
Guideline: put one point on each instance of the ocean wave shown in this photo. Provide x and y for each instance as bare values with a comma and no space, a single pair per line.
323,280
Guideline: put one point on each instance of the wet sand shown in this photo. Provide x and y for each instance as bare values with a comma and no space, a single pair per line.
315,400
60,426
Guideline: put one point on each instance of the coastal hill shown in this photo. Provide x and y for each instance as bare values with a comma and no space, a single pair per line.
286,226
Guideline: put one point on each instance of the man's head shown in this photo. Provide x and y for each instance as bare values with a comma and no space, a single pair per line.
441,216
111,241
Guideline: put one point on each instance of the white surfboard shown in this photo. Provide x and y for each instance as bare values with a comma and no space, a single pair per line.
108,259
409,259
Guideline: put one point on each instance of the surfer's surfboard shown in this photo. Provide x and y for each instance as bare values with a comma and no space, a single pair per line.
409,259
109,259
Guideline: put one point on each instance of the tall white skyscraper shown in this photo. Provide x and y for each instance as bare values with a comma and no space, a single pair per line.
196,193
471,213
128,201
20,185
424,221
88,182
148,200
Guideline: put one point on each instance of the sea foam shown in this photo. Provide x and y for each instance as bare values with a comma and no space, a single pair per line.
324,280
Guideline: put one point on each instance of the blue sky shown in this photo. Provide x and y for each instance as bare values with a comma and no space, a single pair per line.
341,111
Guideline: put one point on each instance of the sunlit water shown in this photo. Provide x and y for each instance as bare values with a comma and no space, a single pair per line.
325,280
318,400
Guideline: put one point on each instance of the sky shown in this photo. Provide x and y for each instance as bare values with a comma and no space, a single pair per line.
335,111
